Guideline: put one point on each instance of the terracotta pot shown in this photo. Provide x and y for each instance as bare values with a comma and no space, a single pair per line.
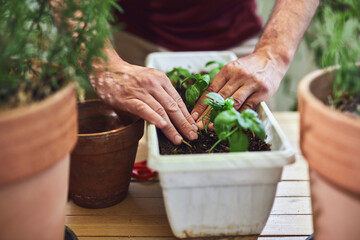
329,140
35,143
103,159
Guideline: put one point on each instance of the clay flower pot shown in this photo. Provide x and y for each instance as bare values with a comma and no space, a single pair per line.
103,159
35,143
329,140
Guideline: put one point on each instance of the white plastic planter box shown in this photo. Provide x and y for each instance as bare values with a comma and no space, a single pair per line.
218,194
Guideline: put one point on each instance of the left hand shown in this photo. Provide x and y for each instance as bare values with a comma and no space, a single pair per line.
249,80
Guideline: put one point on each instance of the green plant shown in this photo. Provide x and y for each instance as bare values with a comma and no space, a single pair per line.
334,35
230,125
46,43
181,77
177,74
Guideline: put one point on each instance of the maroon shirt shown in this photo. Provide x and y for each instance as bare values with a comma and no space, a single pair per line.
191,25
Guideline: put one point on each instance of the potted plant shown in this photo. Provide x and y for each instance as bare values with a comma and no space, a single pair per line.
103,158
329,104
44,47
217,194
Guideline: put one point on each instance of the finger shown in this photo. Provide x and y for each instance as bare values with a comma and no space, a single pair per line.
175,95
251,102
175,114
241,95
218,82
230,88
141,109
154,113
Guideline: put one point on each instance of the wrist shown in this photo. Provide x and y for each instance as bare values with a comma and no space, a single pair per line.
281,56
112,61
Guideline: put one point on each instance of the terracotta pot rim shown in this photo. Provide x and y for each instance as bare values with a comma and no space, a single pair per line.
34,141
13,113
110,132
304,90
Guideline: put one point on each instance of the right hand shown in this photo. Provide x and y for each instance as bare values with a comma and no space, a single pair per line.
147,93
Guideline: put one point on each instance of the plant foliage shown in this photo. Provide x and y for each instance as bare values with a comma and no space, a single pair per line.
180,77
46,43
334,35
230,125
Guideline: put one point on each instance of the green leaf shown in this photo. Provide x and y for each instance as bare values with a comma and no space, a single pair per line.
203,82
229,103
216,97
183,72
248,119
224,122
192,94
221,64
213,114
177,74
238,141
213,72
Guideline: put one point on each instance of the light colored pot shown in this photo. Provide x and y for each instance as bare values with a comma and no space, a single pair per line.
218,194
103,159
35,143
329,140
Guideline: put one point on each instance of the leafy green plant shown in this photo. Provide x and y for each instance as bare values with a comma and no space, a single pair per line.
194,91
230,125
180,77
215,70
177,74
46,43
334,36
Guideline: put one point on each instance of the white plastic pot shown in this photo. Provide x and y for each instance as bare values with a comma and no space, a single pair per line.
218,194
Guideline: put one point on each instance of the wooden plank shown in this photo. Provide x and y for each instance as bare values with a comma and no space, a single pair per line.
288,225
289,123
292,206
277,225
293,189
130,206
145,189
130,225
297,170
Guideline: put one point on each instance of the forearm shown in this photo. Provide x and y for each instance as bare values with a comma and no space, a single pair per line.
285,29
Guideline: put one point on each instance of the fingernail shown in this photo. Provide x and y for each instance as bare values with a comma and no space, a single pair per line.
195,127
195,115
193,135
178,139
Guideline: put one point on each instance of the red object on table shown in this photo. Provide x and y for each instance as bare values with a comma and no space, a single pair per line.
141,171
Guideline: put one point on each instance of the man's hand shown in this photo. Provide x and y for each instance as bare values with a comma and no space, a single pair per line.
249,80
147,93
255,78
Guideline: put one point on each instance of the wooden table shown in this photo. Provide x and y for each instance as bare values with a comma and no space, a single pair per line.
142,214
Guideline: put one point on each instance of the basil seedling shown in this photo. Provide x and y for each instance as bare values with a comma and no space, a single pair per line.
177,74
214,71
230,125
194,91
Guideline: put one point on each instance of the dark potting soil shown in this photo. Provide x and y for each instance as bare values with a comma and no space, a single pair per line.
349,104
204,142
